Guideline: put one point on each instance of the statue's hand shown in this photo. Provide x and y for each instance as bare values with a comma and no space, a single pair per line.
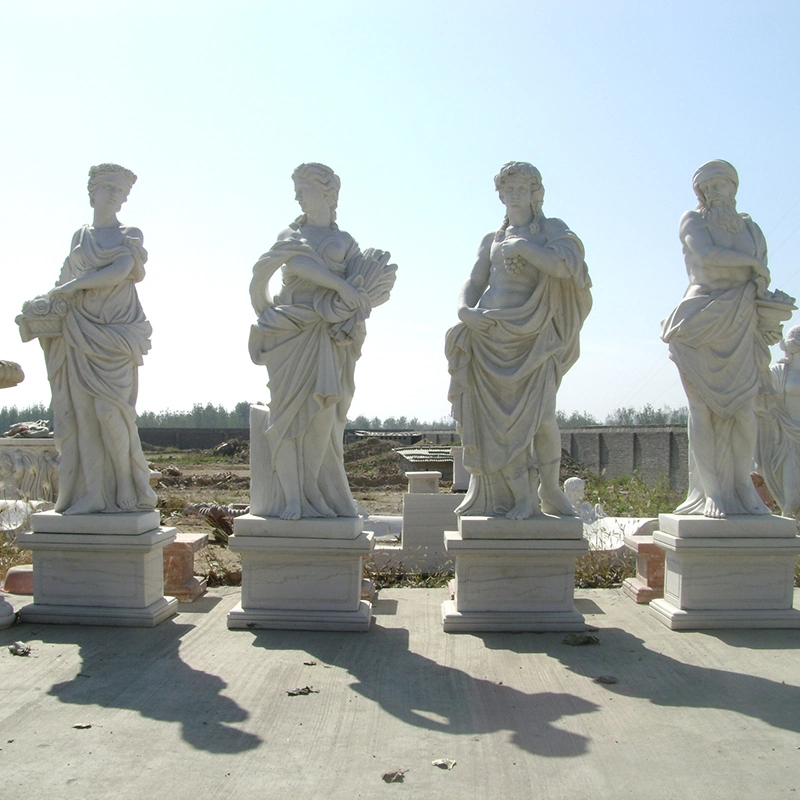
475,319
513,247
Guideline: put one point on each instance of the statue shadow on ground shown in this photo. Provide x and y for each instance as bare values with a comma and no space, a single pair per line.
141,669
665,681
425,694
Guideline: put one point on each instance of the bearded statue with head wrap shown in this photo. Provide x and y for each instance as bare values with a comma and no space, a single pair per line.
719,337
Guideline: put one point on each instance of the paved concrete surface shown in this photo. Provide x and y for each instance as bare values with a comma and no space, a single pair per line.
192,710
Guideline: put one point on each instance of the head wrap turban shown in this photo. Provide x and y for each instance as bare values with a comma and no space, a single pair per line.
711,170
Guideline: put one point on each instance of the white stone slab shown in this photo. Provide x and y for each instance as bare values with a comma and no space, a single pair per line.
454,621
276,544
147,617
456,544
734,526
120,524
300,620
545,526
307,528
677,619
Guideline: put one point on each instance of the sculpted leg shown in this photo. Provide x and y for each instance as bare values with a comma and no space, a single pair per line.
287,466
701,443
743,444
315,442
90,457
517,476
117,444
547,445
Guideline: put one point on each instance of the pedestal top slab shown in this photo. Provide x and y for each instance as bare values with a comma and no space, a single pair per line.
456,544
323,528
361,545
738,526
543,527
111,524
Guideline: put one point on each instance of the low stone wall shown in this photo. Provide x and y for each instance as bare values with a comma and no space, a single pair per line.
650,451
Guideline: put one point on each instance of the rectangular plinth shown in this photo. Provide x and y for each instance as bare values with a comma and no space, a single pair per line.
147,617
327,528
540,527
97,579
299,620
741,526
727,583
108,524
520,584
454,621
307,584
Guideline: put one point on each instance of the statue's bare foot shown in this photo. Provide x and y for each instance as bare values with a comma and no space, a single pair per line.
523,510
556,502
712,509
292,510
750,500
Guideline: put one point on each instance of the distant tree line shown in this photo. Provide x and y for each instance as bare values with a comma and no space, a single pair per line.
627,416
211,416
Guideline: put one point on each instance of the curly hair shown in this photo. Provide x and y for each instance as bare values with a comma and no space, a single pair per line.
96,175
326,180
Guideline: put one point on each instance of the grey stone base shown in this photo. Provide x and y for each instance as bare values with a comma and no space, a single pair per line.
301,620
677,619
454,621
56,614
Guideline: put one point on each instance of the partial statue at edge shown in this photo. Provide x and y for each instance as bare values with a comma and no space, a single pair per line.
94,334
778,451
719,337
309,336
521,313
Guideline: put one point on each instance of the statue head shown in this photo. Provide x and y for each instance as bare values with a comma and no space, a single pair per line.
102,171
791,341
715,184
522,169
324,179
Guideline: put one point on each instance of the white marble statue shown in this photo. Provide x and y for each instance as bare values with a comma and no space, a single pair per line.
778,450
94,333
309,337
521,313
719,337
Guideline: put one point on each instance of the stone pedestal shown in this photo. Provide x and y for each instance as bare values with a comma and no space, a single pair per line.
98,569
649,581
301,574
514,575
180,581
7,615
730,573
423,482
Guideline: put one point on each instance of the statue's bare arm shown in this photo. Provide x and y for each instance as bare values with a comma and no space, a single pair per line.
697,239
477,283
543,258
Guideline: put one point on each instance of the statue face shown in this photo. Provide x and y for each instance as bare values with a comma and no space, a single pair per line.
718,189
111,194
516,192
309,196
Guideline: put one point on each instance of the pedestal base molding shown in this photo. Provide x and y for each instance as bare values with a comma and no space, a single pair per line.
740,574
101,577
301,582
508,583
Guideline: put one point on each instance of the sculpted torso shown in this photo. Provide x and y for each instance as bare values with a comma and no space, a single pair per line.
509,288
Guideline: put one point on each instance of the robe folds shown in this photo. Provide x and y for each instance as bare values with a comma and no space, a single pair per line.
104,337
310,351
504,381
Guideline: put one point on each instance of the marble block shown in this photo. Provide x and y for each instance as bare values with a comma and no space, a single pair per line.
92,579
301,583
649,581
180,581
121,524
545,526
513,584
423,482
307,528
714,582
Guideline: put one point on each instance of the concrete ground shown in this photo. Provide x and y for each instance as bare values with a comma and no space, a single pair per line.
192,710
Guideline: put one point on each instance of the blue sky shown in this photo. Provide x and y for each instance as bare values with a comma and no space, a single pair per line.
415,105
